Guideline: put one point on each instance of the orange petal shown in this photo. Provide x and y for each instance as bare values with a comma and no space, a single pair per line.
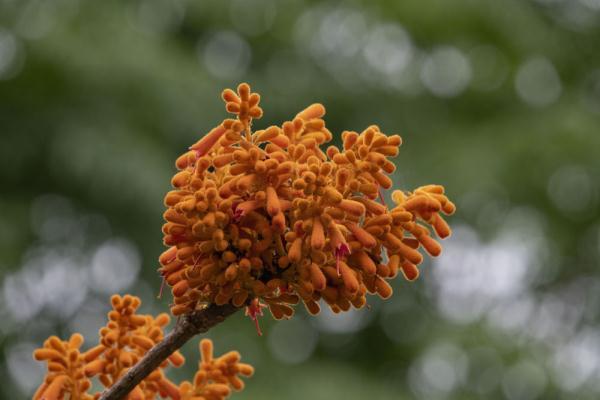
204,145
317,238
430,245
273,206
364,237
362,260
348,277
317,277
410,271
441,227
384,290
295,252
315,110
351,206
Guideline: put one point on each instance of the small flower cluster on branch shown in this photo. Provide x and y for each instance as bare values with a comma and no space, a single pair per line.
125,339
65,370
216,376
268,219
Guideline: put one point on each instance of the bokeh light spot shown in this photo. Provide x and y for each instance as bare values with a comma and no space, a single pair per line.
591,91
292,341
8,55
347,322
490,67
572,189
388,49
439,371
115,266
537,82
256,18
446,72
524,381
580,357
23,369
226,55
160,16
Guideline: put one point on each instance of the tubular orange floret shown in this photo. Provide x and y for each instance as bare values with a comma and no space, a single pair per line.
273,206
364,237
353,207
317,238
317,278
204,145
311,112
410,270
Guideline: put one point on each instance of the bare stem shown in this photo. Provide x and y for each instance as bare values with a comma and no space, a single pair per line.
187,327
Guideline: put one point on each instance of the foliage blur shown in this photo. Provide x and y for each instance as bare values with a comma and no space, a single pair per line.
497,100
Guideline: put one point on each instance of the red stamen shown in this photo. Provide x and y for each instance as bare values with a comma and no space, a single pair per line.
162,285
237,213
381,198
254,310
257,327
341,251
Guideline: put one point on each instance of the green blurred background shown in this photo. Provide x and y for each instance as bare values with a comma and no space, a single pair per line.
497,100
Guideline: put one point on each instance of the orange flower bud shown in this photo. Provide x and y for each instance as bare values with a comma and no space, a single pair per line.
384,290
351,206
204,145
441,227
410,271
364,237
348,277
313,111
273,206
317,278
364,262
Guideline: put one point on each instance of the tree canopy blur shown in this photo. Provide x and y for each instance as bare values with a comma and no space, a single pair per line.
499,101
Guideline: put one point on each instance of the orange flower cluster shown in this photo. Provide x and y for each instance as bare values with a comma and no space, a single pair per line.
269,216
216,376
123,342
65,370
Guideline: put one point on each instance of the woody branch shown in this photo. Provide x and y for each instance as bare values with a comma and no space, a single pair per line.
187,326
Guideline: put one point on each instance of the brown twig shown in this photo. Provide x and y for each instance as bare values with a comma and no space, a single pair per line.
187,327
